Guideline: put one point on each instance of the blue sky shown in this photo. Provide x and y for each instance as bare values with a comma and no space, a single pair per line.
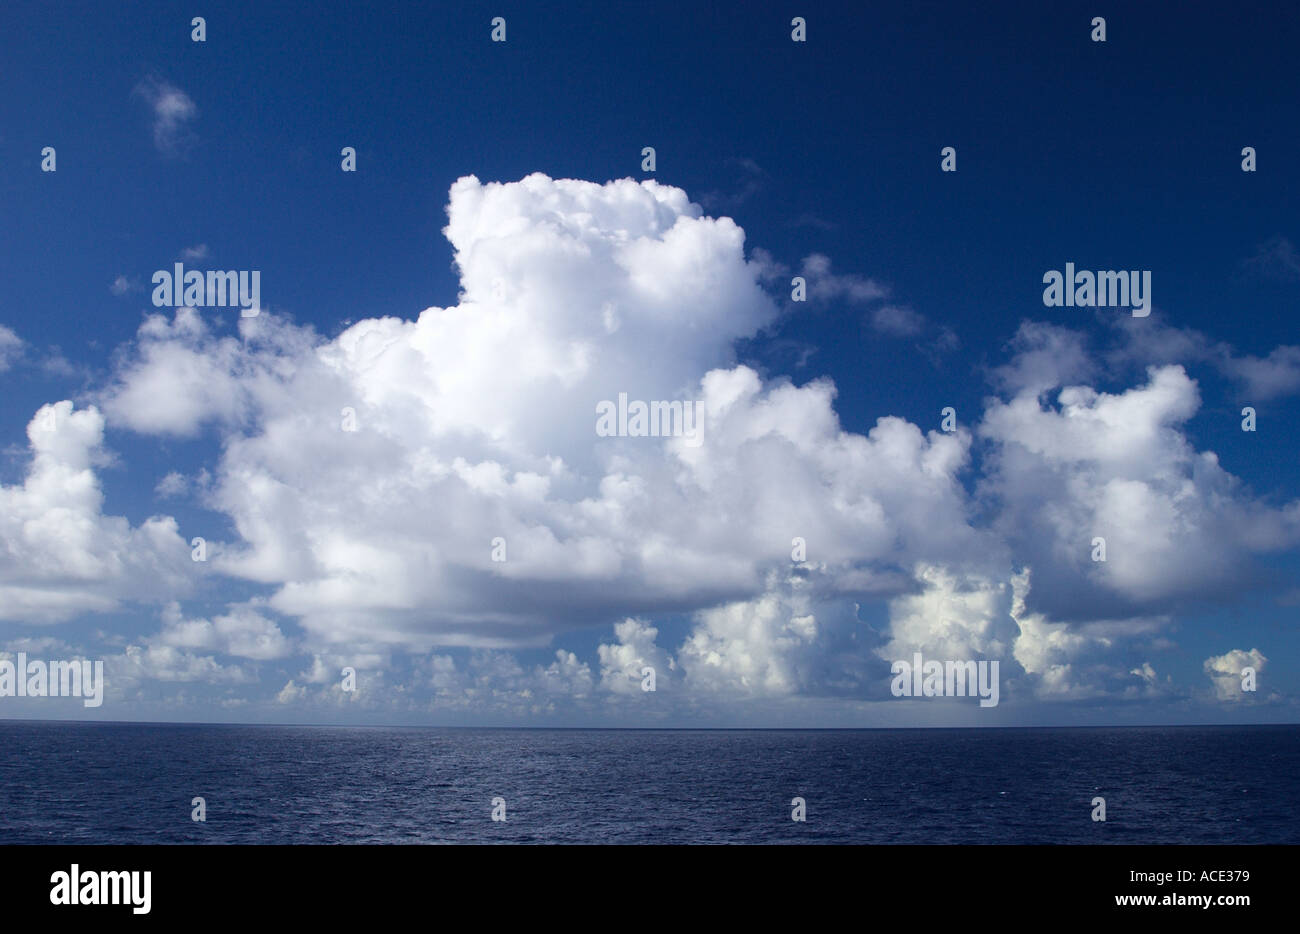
925,291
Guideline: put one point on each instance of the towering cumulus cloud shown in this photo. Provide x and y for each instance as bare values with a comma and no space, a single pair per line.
476,422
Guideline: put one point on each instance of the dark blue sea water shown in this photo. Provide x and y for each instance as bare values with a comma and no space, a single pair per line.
129,783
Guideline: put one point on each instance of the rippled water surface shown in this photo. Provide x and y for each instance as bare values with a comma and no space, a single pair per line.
126,783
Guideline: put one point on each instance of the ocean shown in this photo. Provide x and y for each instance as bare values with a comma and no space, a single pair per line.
79,783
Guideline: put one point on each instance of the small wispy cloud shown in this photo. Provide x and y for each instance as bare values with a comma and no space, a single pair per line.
897,321
825,285
751,179
57,365
812,220
172,112
1261,378
11,346
1276,258
122,285
174,484
195,253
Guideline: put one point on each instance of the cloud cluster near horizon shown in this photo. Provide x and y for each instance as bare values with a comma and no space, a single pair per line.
474,422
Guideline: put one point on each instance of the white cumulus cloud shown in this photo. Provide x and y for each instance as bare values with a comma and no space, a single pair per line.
59,554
